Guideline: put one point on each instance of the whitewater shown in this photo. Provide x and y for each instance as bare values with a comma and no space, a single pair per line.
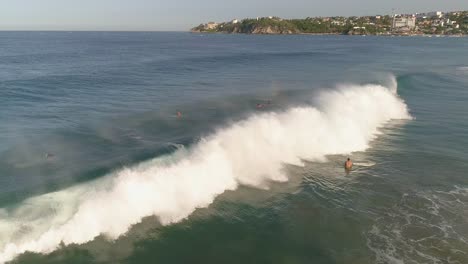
249,152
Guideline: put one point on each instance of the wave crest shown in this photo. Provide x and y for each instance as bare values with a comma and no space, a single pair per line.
249,152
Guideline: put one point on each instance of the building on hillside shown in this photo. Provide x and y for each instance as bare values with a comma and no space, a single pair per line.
402,23
438,14
211,25
421,15
438,23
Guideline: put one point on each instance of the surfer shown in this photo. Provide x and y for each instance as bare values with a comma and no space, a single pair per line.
348,164
179,114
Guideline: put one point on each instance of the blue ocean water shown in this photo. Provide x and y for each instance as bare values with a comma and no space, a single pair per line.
95,165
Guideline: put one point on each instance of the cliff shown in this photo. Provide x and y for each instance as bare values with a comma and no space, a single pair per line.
251,26
451,23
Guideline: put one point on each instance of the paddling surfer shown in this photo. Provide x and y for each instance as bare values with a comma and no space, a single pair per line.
348,164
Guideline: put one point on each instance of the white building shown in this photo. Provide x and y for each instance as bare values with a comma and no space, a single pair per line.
211,25
438,23
404,23
435,14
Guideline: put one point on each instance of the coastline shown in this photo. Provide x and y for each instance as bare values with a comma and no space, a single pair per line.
333,34
432,24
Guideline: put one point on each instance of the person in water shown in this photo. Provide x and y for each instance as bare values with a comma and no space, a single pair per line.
348,164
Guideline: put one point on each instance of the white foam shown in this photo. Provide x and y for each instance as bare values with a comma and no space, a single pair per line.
364,164
250,152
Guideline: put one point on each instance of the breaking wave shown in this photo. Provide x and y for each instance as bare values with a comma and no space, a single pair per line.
250,152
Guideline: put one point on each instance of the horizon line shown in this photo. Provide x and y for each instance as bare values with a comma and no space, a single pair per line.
224,20
88,30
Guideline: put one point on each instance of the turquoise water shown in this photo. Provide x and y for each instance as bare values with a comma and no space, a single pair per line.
96,167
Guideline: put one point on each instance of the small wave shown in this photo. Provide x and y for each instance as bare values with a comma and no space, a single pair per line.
176,145
420,223
463,70
250,152
365,164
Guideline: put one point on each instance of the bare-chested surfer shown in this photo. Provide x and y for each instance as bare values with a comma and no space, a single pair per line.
348,164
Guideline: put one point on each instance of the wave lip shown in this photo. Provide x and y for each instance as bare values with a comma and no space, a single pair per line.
250,152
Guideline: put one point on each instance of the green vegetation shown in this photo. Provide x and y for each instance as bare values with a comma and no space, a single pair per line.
449,24
275,25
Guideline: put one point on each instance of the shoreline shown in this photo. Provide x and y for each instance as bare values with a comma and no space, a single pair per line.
336,34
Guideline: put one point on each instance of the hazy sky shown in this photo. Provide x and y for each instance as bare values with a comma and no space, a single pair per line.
183,14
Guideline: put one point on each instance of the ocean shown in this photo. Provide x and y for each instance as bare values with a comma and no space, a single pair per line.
171,147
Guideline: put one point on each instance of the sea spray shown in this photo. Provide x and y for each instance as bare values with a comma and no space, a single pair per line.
250,152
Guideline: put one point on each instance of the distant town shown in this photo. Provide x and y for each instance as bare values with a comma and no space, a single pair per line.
453,23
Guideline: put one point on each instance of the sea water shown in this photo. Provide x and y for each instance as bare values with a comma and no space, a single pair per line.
96,165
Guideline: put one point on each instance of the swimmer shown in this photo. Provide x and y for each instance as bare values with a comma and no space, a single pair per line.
179,114
348,164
